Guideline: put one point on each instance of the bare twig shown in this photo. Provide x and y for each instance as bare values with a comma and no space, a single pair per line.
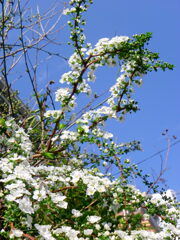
4,71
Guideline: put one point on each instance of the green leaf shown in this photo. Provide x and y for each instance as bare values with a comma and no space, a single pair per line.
2,125
2,122
61,126
48,155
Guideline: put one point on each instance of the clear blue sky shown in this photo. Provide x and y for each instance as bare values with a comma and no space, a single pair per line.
159,97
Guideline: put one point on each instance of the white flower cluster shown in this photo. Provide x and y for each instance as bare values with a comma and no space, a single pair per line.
102,134
88,118
16,233
66,175
103,54
63,95
82,8
76,213
72,234
28,186
108,45
93,219
94,183
69,135
95,114
146,235
53,113
100,56
18,137
69,232
44,231
75,62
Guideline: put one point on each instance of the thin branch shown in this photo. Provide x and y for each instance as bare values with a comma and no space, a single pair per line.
157,153
28,71
4,71
24,234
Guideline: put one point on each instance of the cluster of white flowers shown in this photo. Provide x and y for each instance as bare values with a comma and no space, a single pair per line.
44,231
87,60
93,219
108,45
63,96
53,113
18,137
76,213
16,233
73,10
144,235
75,63
82,8
72,234
69,135
99,56
100,133
88,118
95,114
28,191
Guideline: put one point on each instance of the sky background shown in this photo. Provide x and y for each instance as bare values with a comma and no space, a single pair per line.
158,98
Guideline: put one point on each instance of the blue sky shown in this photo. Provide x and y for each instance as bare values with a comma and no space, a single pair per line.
159,96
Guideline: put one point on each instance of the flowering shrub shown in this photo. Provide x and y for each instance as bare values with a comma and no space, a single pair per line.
52,186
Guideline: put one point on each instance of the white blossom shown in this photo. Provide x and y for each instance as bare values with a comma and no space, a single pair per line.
44,231
93,219
16,233
25,205
88,232
76,213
